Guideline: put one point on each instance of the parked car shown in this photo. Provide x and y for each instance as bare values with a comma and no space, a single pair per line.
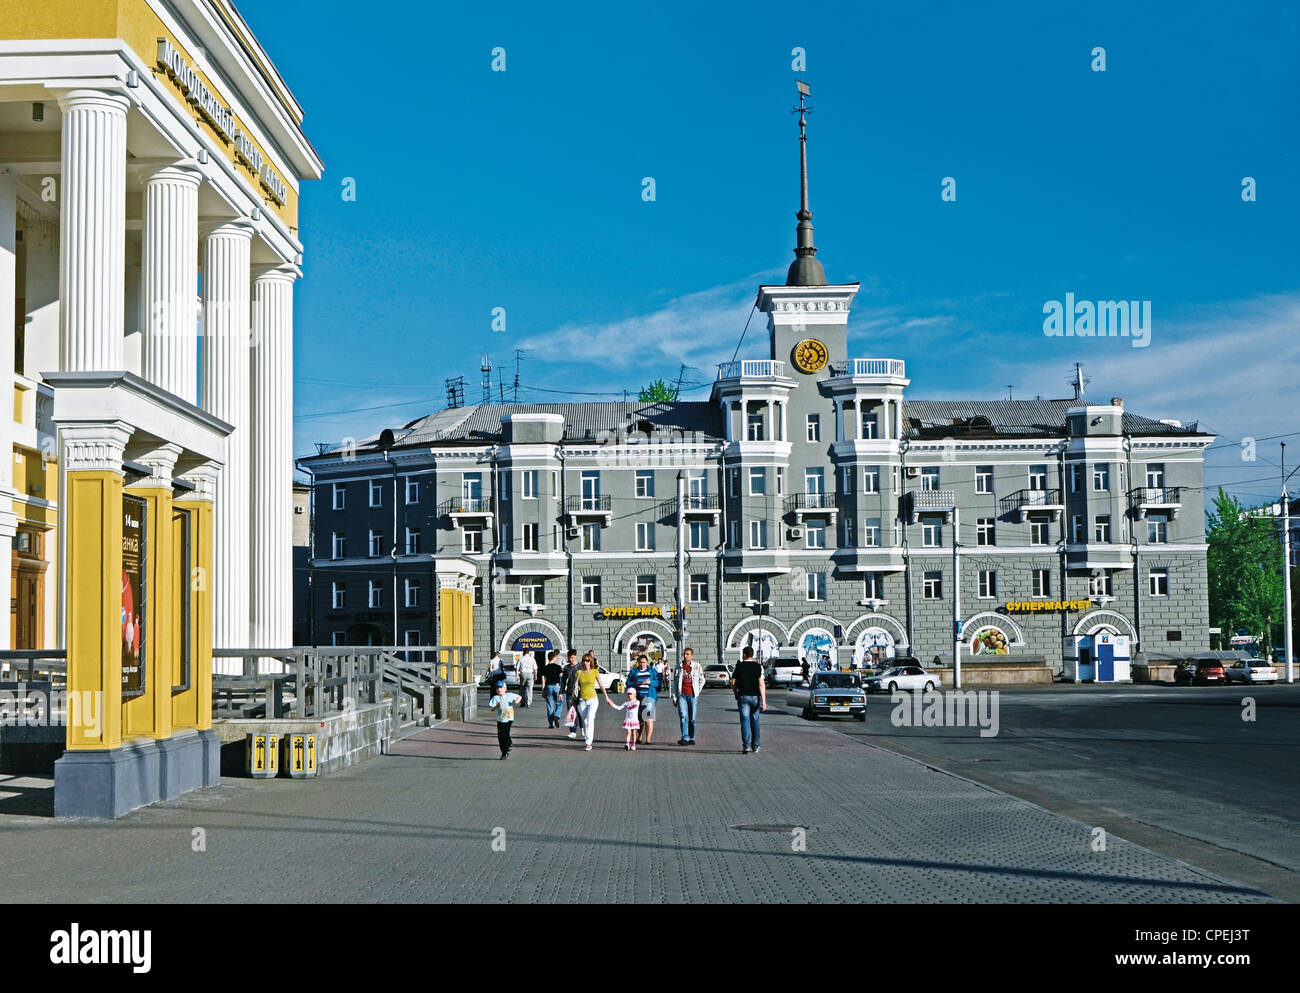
1251,671
717,675
902,677
833,694
612,682
1203,672
783,672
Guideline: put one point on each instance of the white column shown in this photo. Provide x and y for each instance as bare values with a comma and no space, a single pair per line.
9,292
226,394
92,230
770,428
785,435
169,278
271,438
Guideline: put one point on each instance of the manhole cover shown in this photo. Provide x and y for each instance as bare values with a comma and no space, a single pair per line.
778,828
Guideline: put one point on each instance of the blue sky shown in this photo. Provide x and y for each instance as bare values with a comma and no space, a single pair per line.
522,189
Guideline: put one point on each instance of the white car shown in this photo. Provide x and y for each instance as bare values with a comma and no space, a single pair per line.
610,682
783,672
717,675
1251,671
903,677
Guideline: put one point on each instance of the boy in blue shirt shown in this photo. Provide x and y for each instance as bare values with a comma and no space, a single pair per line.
504,704
646,683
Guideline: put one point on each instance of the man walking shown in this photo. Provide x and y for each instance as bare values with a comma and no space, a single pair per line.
751,698
552,679
686,686
646,683
569,690
527,674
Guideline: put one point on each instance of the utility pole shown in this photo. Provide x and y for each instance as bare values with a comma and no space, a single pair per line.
956,602
681,565
1286,571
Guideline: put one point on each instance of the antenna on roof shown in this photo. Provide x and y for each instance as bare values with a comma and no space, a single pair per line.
323,446
485,367
519,353
455,392
681,374
501,386
1010,387
1079,382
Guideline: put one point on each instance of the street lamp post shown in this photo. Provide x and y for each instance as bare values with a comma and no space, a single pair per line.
1286,571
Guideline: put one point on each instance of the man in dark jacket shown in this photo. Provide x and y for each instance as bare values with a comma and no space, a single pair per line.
552,680
569,690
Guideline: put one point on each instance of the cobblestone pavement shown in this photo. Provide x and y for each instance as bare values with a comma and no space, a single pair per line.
668,823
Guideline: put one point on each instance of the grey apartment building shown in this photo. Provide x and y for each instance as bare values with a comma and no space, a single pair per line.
820,513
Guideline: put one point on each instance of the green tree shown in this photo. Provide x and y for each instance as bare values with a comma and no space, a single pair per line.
657,392
1244,566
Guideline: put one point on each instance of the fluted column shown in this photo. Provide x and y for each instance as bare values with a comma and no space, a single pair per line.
92,230
169,277
272,458
225,393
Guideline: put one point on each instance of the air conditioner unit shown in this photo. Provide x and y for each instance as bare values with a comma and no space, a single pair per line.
913,471
794,534
573,532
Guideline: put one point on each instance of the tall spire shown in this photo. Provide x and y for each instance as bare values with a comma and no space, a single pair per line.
805,270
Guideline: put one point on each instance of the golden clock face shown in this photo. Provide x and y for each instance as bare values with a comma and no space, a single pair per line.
810,355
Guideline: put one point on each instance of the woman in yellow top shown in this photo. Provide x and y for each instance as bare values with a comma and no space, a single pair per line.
587,679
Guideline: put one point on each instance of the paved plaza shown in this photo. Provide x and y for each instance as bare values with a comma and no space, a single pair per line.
443,819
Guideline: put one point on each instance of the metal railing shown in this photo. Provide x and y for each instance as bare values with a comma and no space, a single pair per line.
811,501
1031,498
465,505
35,665
701,501
1159,495
589,504
881,368
321,681
932,499
751,367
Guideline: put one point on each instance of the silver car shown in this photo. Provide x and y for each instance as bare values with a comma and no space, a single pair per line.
1251,671
903,677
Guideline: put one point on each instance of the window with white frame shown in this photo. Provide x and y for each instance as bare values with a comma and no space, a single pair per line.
932,534
930,477
471,540
412,490
591,490
1101,477
591,537
988,584
338,544
871,479
1038,477
412,541
698,536
870,424
757,534
873,586
1155,475
478,591
590,590
1041,582
1076,477
471,490
528,538
815,534
699,588
871,532
412,592
1039,532
932,585
338,595
532,590
339,494
1157,529
848,532
816,585
1101,528
645,536
733,537
757,481
645,589
985,531
814,484
374,595
1100,583
376,493
814,427
375,544
733,482
754,425
1159,582
780,481
983,479
758,591
1076,528
528,484
846,479
645,483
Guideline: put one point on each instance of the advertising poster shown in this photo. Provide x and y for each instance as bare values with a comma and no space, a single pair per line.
818,648
133,590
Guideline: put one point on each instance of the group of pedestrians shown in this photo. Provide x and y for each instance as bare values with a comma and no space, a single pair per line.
571,693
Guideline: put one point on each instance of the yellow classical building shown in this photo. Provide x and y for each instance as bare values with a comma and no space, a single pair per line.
150,164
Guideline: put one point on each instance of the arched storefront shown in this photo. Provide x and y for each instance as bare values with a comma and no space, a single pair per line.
988,636
653,638
531,635
816,641
875,639
763,634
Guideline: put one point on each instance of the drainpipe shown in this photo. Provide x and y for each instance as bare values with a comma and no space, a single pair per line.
1065,525
568,551
492,558
1137,576
393,552
311,553
720,638
907,558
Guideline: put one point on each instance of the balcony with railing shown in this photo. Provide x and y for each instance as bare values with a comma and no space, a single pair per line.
871,370
466,508
701,505
752,369
588,507
804,504
1157,498
1024,502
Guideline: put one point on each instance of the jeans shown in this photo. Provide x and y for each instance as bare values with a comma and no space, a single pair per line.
503,736
749,720
526,691
587,714
554,715
686,706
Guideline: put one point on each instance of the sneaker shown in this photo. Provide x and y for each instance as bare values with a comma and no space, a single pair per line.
504,754
573,734
683,742
588,748
634,748
744,751
755,749
626,747
691,742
